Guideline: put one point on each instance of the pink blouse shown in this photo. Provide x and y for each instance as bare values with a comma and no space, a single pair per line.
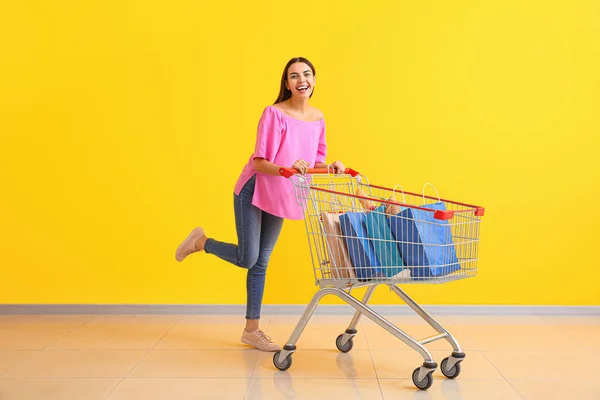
282,140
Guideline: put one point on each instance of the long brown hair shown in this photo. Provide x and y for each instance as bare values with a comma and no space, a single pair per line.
285,93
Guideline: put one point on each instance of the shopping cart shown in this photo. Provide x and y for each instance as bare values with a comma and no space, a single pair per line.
382,236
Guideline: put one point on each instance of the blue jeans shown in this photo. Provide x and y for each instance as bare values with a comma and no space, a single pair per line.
257,233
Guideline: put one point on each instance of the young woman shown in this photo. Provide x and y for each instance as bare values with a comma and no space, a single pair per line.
291,133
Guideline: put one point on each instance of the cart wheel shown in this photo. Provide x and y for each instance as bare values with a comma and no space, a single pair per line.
452,372
344,348
425,383
287,362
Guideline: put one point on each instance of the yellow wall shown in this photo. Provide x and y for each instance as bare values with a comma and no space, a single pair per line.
126,123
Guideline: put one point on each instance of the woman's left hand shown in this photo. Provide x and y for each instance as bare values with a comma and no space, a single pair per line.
338,167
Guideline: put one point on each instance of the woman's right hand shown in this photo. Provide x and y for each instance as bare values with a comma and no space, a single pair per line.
301,165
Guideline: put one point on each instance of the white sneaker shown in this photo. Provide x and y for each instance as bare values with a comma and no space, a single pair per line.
259,340
188,246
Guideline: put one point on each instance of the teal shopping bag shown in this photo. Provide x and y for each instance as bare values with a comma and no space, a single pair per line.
384,243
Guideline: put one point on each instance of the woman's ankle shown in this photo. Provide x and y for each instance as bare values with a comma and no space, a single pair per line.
200,243
252,325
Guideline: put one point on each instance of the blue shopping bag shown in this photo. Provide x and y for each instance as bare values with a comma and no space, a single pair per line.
425,243
384,244
365,262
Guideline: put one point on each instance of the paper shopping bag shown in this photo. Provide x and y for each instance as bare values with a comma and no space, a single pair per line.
339,263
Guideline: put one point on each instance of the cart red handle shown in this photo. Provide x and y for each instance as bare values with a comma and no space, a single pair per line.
289,172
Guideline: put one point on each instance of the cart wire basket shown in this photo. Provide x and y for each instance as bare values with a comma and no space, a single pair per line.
363,235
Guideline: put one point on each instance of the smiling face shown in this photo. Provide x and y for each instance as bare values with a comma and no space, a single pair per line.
300,80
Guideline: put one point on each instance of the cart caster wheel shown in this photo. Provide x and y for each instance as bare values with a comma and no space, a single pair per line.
344,348
285,364
452,372
425,383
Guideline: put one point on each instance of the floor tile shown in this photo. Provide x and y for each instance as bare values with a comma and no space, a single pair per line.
117,332
521,320
197,364
413,319
9,359
78,364
549,389
555,364
22,334
341,321
56,388
317,389
380,339
72,320
520,337
318,334
219,319
401,364
180,389
344,320
135,319
585,335
319,364
572,321
203,336
446,389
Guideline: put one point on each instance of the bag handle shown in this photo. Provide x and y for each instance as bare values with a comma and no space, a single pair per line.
334,197
436,191
395,209
403,194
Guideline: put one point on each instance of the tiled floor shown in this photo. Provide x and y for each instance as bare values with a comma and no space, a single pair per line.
200,357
